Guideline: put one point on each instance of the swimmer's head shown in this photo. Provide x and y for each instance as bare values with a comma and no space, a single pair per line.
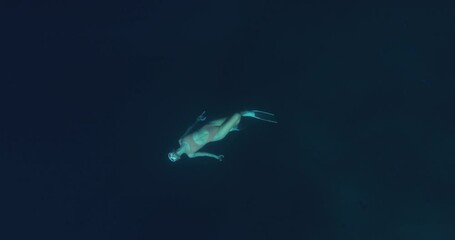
173,156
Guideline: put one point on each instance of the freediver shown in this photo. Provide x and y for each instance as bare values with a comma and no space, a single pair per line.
216,130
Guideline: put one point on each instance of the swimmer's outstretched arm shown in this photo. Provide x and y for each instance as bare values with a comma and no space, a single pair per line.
206,154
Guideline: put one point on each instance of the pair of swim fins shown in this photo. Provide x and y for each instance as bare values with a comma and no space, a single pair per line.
260,115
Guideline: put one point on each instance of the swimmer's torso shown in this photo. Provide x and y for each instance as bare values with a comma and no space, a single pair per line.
198,139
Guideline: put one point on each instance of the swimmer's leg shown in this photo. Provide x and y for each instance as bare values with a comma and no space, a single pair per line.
217,122
220,122
228,126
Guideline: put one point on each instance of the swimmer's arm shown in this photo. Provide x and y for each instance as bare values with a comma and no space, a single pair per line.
205,154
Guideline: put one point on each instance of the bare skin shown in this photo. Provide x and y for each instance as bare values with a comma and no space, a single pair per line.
226,125
201,137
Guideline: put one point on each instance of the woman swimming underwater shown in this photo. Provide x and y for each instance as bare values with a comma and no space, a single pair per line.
190,144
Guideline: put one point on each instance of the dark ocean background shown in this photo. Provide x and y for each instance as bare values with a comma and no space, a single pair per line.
95,94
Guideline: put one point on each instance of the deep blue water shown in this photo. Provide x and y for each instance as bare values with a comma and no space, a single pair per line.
94,95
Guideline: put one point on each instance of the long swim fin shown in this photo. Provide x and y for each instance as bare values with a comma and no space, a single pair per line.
261,115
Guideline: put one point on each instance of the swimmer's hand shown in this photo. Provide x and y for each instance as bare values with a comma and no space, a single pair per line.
201,117
220,157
